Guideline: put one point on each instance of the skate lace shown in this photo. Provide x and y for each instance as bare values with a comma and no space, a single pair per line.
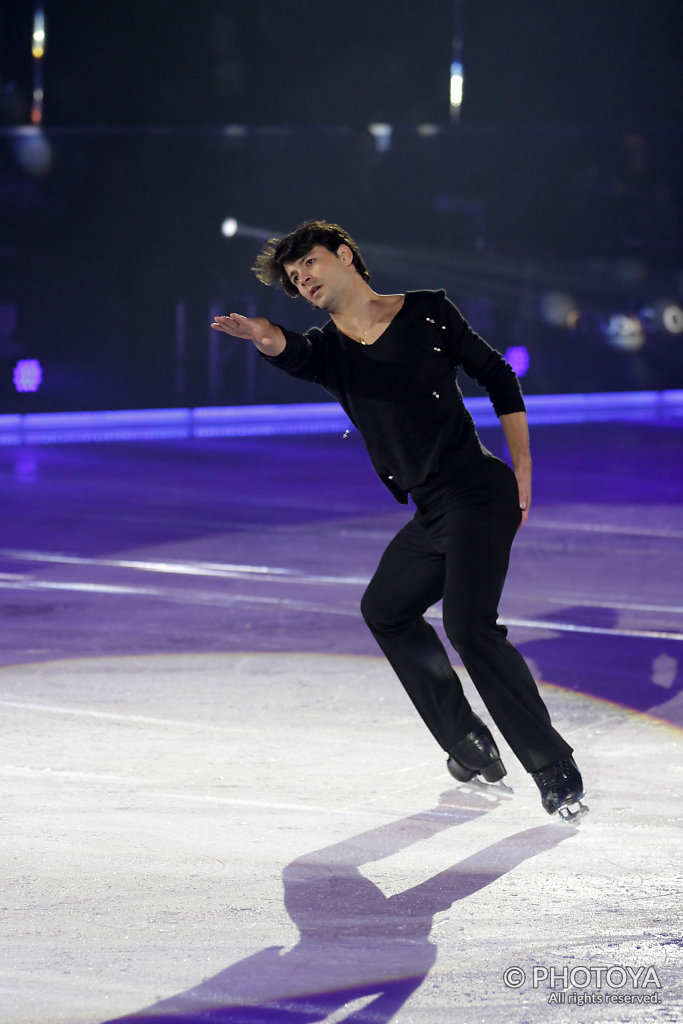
555,772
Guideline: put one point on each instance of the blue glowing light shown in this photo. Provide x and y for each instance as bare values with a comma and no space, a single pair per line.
518,358
28,374
311,418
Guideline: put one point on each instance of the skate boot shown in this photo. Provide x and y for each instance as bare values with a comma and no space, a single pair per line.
476,754
561,788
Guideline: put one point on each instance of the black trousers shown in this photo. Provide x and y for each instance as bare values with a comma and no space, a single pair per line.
457,548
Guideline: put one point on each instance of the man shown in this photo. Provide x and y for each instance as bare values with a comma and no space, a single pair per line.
391,362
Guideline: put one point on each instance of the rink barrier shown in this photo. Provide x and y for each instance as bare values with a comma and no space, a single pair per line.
311,418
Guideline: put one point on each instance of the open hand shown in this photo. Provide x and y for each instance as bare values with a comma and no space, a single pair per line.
268,338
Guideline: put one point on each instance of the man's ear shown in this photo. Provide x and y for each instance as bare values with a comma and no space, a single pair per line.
345,254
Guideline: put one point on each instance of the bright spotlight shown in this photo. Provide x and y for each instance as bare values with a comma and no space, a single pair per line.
229,227
39,35
457,81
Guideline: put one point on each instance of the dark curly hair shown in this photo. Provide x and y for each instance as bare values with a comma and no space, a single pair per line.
269,266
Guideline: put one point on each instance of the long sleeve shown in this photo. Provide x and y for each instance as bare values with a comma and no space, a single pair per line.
402,391
480,361
305,356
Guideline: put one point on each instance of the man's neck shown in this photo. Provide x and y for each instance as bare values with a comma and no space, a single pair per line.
357,310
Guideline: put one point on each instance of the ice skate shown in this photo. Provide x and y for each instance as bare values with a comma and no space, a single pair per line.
561,789
476,754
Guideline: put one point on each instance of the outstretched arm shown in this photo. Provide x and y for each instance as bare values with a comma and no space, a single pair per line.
267,338
516,432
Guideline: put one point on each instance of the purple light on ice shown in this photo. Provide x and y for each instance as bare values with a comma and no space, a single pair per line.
518,358
28,374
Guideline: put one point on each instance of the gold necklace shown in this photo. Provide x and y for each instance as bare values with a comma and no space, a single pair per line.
362,341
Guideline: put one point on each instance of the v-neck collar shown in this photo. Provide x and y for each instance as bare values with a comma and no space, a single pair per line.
365,344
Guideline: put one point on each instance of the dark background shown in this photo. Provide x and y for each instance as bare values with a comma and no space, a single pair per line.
562,174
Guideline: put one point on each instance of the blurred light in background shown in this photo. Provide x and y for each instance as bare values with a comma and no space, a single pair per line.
625,332
38,45
38,52
672,318
381,133
28,375
457,80
558,309
32,150
518,358
664,315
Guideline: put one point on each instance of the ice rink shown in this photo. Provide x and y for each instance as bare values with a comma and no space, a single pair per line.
219,806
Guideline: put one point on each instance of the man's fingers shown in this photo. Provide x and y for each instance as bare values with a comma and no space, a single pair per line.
524,508
247,328
231,325
233,319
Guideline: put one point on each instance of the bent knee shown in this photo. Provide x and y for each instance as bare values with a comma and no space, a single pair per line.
371,608
468,633
383,615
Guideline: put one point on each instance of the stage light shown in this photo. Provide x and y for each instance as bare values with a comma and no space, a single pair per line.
381,133
559,309
625,332
672,318
518,358
38,52
457,81
229,227
28,375
38,44
664,315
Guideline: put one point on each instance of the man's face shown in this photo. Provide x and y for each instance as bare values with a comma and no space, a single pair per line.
320,275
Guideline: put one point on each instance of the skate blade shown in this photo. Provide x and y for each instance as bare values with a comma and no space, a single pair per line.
492,773
573,812
500,785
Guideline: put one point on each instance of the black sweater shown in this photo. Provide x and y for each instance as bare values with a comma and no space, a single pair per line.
402,392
